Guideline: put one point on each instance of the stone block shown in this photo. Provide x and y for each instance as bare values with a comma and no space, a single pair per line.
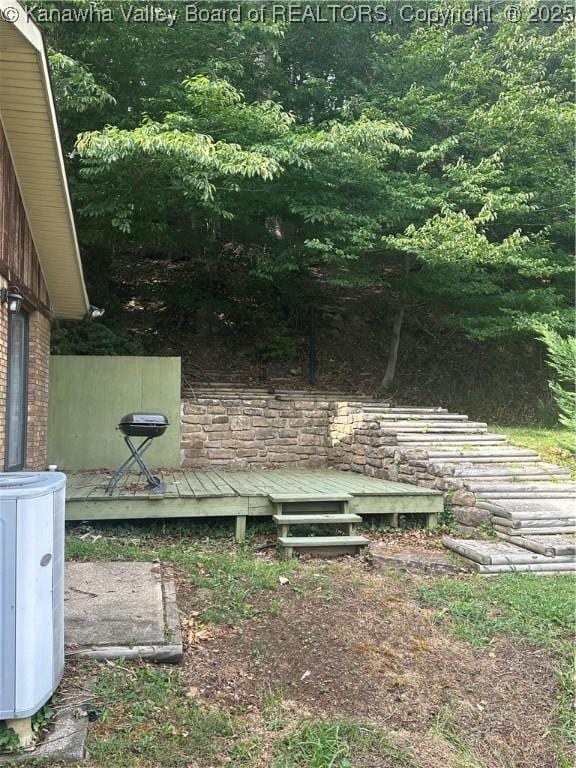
279,441
471,516
310,440
192,419
217,436
278,405
265,434
240,423
214,428
193,409
221,453
244,434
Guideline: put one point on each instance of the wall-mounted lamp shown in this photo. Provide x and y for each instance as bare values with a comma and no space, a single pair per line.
12,297
95,313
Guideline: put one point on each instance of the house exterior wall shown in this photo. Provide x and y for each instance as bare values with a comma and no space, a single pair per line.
19,266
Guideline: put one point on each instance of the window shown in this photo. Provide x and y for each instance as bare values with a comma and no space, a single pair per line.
17,401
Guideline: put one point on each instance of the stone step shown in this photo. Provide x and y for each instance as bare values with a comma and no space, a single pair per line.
427,427
542,568
435,439
497,552
305,519
536,471
505,452
526,509
472,460
322,541
435,417
500,490
300,498
540,530
404,409
551,545
540,522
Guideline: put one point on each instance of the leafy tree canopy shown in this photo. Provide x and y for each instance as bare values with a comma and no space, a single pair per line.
434,162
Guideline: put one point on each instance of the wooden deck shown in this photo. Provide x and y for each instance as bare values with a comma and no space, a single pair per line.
216,493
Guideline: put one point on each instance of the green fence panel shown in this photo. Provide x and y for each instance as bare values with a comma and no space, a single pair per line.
89,395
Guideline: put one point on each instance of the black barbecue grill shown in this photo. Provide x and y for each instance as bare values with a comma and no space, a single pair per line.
148,426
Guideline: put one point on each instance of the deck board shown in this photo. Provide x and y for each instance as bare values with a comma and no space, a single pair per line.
206,493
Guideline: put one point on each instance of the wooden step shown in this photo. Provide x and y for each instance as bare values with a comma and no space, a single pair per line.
323,541
305,519
296,498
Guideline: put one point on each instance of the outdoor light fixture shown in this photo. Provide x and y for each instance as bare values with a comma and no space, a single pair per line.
13,297
95,313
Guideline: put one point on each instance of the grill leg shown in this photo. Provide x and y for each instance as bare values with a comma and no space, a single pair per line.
154,482
134,458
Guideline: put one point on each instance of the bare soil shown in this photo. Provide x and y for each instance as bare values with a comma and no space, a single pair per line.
354,644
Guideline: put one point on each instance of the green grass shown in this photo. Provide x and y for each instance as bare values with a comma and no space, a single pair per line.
554,445
530,608
445,728
148,718
324,744
229,575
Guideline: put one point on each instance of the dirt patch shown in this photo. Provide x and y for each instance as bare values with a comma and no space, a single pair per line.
352,644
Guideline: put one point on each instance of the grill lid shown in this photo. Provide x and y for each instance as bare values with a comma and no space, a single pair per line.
144,419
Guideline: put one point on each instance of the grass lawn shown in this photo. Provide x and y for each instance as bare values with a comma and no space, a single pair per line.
555,445
332,664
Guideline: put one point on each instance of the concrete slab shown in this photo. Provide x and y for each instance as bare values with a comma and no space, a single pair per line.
66,742
121,610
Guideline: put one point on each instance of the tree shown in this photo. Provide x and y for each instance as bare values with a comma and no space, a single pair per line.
432,163
562,360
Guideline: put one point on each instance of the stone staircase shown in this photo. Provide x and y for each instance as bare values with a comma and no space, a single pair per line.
326,511
485,478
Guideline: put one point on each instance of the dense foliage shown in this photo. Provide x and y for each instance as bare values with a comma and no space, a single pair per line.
432,163
562,360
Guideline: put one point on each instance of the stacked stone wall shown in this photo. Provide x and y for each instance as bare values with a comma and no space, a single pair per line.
246,431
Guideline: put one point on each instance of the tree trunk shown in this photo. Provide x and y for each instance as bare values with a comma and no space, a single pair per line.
390,372
394,346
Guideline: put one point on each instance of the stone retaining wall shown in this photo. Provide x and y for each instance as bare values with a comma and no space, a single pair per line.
245,431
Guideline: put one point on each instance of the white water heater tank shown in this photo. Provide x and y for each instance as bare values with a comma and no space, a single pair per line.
31,590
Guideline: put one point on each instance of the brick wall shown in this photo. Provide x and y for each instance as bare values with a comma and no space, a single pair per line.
20,267
37,421
39,356
247,431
